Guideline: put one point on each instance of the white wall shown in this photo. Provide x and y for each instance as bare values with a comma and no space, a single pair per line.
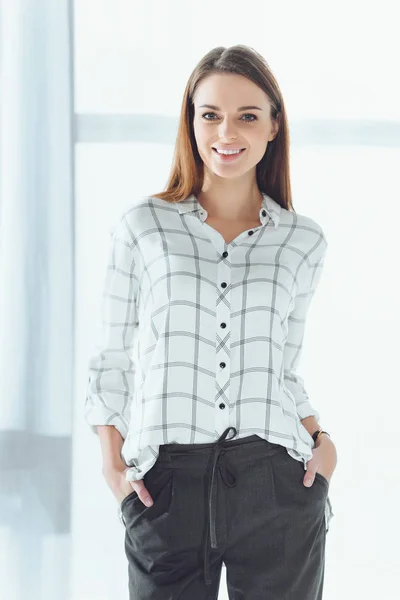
335,64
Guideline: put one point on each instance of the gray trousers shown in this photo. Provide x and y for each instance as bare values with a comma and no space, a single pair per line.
239,502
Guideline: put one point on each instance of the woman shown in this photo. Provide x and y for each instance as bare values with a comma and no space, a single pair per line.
195,386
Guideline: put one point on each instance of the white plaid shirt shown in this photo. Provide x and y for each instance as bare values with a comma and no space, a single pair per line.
199,334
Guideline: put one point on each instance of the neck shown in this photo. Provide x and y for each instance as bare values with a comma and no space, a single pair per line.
231,204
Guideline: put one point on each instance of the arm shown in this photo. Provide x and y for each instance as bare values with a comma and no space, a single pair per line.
308,415
111,443
111,369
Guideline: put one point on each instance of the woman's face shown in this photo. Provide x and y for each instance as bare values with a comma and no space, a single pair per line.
225,126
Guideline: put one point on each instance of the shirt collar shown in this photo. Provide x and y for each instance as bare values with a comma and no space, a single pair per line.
272,208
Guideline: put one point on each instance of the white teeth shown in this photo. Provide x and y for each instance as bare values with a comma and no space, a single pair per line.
228,151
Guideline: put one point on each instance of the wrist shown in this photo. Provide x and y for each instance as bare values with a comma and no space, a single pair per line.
323,439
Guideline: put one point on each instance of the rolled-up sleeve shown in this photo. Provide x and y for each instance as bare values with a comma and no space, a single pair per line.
111,368
294,343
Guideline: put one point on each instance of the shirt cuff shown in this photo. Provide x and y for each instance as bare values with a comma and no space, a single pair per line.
101,416
304,410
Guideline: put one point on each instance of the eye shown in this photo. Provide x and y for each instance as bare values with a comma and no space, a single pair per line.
205,114
254,118
250,115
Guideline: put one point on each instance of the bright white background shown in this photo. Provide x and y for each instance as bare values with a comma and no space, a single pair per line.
103,87
335,63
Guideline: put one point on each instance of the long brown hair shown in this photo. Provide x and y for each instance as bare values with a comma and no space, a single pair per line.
272,172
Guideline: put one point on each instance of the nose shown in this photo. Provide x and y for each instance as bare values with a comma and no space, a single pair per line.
227,130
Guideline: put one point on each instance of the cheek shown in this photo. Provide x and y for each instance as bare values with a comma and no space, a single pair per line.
204,147
201,137
257,149
258,141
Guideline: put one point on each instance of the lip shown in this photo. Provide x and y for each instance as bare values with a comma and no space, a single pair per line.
228,158
229,148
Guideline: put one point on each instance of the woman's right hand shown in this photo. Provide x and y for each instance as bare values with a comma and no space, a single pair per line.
121,488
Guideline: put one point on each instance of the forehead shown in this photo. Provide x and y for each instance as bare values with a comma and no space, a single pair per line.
229,91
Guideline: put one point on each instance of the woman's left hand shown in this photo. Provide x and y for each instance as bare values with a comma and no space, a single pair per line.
323,461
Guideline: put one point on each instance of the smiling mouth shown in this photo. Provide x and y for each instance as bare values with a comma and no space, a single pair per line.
230,153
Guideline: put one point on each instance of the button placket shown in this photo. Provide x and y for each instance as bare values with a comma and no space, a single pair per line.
223,337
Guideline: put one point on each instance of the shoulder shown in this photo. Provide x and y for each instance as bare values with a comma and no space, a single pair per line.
302,222
307,233
142,206
137,216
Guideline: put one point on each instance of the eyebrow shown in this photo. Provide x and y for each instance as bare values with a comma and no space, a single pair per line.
239,109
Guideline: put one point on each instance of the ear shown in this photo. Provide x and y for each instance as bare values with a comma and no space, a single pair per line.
275,126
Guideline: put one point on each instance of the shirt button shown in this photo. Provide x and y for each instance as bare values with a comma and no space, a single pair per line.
225,254
250,232
222,365
263,213
222,405
223,325
223,284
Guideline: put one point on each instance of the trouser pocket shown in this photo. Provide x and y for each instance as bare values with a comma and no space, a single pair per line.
158,482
